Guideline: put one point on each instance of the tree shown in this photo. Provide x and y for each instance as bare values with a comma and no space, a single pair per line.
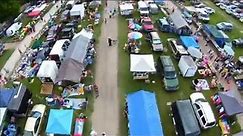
8,9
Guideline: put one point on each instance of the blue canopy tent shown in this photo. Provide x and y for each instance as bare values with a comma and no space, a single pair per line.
59,122
219,36
6,95
144,118
189,41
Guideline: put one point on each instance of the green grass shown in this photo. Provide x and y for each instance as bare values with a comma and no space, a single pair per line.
128,85
3,59
219,16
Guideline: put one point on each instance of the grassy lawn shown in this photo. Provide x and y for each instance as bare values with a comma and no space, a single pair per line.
219,16
6,54
128,85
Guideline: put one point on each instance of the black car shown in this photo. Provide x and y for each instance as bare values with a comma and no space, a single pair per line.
238,42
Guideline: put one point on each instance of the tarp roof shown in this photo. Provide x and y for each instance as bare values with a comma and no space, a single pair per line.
189,41
78,48
215,32
178,20
19,101
230,103
70,70
49,69
59,122
142,63
6,95
144,118
57,48
85,33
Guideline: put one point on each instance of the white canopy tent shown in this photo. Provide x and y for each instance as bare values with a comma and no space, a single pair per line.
13,29
142,63
77,10
85,33
57,48
126,8
48,69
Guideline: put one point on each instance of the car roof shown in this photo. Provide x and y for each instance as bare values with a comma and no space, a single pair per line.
155,35
195,96
209,116
29,125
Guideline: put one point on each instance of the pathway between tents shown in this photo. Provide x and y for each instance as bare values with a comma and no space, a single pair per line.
105,117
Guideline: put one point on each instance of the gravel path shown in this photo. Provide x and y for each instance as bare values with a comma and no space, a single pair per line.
105,117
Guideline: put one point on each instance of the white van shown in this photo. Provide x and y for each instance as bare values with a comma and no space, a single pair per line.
143,8
153,8
155,41
203,110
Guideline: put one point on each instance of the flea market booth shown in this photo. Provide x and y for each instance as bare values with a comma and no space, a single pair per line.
57,51
47,74
59,122
181,27
218,35
126,9
142,65
78,11
143,114
187,66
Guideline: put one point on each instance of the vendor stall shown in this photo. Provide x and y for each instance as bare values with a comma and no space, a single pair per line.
78,10
57,52
47,73
141,66
187,66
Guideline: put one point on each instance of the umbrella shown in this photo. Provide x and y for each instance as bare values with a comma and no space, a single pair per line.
229,50
135,35
194,52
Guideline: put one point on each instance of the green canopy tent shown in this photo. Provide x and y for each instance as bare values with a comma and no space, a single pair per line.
37,44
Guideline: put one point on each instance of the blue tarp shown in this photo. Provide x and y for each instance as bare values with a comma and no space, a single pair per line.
189,41
6,95
219,36
59,122
144,118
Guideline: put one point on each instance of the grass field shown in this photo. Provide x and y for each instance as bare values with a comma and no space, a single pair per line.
128,85
3,59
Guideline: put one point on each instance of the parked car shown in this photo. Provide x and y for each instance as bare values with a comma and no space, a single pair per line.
2,47
204,16
225,26
238,42
34,121
147,24
53,32
209,10
201,5
164,25
177,48
203,110
154,40
187,16
168,73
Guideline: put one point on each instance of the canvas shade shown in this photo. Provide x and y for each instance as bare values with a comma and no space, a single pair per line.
47,69
194,52
70,70
142,63
144,118
59,122
34,13
230,103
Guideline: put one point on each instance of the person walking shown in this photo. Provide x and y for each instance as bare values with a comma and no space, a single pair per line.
109,41
105,20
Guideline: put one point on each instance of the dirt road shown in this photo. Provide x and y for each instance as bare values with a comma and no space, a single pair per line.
105,117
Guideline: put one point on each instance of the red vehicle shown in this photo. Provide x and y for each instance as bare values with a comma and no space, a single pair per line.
147,24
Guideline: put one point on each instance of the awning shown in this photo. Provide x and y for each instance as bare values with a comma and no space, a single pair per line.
142,63
48,69
231,105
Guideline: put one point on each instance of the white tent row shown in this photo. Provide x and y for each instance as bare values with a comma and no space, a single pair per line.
142,63
78,10
85,33
57,48
126,8
48,69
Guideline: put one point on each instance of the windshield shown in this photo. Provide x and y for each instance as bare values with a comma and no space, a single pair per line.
144,9
35,114
170,74
28,133
156,41
147,23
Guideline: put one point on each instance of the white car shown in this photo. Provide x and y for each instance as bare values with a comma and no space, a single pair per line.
209,10
34,121
225,26
203,110
222,6
200,6
241,20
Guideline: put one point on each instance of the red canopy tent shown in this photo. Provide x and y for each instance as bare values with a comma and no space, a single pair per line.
34,13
